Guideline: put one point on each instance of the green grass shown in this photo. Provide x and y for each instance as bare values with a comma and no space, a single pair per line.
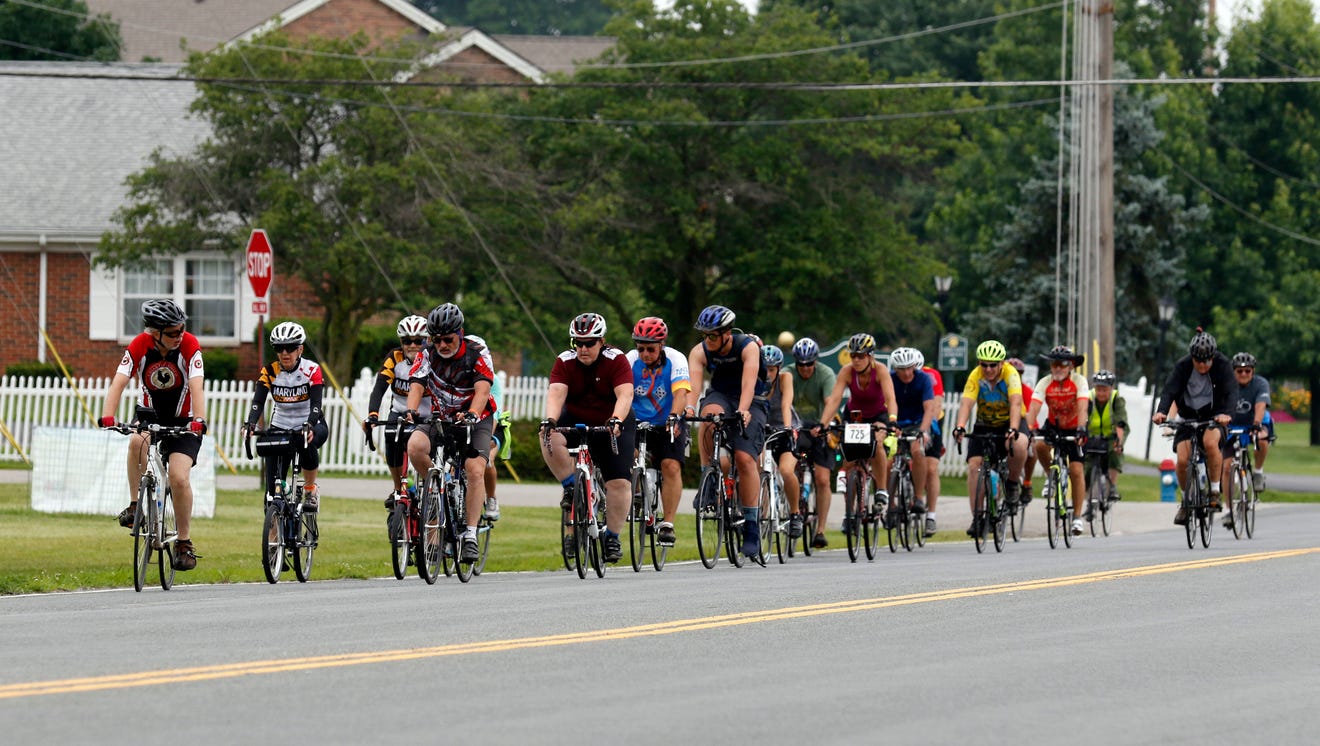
1292,452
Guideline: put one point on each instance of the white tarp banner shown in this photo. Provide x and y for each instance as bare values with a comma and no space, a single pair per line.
78,470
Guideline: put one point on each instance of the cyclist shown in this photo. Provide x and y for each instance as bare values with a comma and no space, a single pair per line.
935,450
499,438
393,377
295,386
780,399
871,397
996,391
1202,386
737,384
1252,411
661,393
916,405
592,385
167,362
1066,395
1108,419
1029,468
456,372
812,385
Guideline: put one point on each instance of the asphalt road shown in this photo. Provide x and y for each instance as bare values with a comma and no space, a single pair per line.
1129,639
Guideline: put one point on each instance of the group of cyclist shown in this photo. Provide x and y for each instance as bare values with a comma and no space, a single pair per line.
440,374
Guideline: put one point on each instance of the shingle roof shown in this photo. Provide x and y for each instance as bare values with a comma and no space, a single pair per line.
69,143
153,28
555,54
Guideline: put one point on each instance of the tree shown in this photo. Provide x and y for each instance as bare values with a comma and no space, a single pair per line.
544,17
366,192
61,31
766,201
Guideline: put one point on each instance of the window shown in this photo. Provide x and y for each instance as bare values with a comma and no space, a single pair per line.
205,287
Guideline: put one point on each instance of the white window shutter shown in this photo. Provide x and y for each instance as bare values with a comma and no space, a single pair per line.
103,304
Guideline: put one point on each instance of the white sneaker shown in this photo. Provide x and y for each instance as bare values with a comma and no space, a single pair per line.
1077,527
492,509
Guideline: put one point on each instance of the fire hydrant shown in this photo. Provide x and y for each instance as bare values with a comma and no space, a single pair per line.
1168,482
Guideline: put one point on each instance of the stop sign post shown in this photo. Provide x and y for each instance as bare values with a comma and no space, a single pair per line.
260,270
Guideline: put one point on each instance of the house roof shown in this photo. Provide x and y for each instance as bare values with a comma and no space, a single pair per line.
72,142
556,54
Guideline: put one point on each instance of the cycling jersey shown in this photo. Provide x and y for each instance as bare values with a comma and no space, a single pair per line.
809,394
868,399
1105,417
910,399
161,377
775,399
591,396
296,395
393,376
452,382
726,370
654,387
1244,411
1067,401
992,398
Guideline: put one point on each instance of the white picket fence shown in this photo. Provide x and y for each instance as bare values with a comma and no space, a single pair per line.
27,403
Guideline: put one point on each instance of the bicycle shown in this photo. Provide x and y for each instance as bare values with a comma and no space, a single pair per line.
289,533
443,513
1242,495
402,522
1099,490
1059,513
154,530
904,524
861,512
990,512
774,503
644,517
585,516
806,502
719,514
1196,493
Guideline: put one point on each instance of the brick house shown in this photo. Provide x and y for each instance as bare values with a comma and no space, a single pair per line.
78,139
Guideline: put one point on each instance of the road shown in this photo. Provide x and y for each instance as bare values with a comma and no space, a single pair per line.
1129,639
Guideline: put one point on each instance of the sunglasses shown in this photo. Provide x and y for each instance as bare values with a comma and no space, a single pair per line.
713,335
990,366
650,349
1060,364
858,355
412,340
1205,361
449,340
286,348
1244,370
586,343
811,364
172,335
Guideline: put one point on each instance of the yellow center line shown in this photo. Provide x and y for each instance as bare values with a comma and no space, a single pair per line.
256,668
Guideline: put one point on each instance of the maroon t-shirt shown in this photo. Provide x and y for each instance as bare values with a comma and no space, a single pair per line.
591,396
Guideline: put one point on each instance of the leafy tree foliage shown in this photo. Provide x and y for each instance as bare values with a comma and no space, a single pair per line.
60,32
546,17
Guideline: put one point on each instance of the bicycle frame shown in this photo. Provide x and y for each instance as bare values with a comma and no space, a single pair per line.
1242,485
991,481
1196,491
153,529
586,514
906,522
719,523
861,515
774,504
643,517
290,533
1059,511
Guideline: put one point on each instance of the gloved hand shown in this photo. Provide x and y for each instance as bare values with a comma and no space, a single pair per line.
370,422
198,426
106,422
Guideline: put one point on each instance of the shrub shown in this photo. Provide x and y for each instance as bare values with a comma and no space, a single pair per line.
36,369
221,364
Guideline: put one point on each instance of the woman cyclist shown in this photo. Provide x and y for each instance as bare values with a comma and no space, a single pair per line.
871,392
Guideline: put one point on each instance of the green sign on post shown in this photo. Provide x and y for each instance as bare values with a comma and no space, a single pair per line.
953,352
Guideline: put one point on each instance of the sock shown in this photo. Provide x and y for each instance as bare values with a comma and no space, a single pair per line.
569,480
470,533
664,524
610,534
931,515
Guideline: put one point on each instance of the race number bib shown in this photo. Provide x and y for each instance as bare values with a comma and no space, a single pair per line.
857,433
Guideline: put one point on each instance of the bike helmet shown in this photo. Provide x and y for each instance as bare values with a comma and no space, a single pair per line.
162,313
1103,378
991,351
1203,346
806,350
861,343
1017,364
1064,353
904,357
714,319
587,326
1244,360
773,356
288,333
650,329
445,318
411,326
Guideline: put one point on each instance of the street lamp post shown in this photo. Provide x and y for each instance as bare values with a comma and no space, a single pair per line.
942,285
1166,309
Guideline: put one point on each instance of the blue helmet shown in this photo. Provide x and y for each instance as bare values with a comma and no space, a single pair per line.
772,356
714,319
806,350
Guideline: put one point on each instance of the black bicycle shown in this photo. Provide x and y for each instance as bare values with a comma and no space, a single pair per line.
719,513
1196,499
989,514
444,506
904,523
289,533
1242,494
1099,490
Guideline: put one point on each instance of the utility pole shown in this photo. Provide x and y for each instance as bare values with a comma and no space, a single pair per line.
1105,290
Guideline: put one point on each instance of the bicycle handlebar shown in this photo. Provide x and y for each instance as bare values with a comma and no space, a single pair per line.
585,430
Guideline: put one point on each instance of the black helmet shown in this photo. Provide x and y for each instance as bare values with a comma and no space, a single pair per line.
162,313
444,319
1244,360
1103,378
1203,346
1065,353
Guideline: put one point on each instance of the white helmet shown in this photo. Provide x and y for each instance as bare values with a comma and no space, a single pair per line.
288,333
412,326
904,357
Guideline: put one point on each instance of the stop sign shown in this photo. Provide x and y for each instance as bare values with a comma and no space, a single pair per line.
260,263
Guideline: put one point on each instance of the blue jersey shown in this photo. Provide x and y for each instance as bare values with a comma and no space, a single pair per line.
912,398
653,388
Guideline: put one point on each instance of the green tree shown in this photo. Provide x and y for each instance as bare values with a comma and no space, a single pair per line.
366,193
544,17
62,30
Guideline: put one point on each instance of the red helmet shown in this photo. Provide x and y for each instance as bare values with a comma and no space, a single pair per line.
650,329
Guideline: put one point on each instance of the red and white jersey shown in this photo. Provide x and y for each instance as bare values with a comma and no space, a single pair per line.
452,381
291,392
163,379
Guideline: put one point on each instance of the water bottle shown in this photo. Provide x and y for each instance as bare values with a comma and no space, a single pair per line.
841,482
994,484
651,479
1201,480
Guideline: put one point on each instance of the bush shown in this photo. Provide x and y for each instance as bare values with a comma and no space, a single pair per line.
1296,401
36,369
221,364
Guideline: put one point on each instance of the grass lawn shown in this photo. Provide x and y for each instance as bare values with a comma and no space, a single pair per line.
1292,452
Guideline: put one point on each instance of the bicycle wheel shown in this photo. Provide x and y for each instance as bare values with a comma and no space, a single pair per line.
431,529
768,519
1249,509
400,542
1238,496
637,527
304,549
1191,497
456,517
871,521
733,529
1205,523
659,553
892,532
484,528
1066,513
167,534
142,534
998,517
710,520
1095,493
807,505
905,513
581,537
783,544
1051,496
598,544
979,511
855,512
272,542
